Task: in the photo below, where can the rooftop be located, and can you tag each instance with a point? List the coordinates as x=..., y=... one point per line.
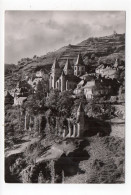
x=55, y=64
x=79, y=61
x=72, y=78
x=67, y=65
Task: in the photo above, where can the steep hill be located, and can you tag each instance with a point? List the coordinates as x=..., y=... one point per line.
x=105, y=48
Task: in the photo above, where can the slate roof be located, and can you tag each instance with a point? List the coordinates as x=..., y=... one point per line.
x=55, y=64
x=79, y=61
x=67, y=65
x=72, y=78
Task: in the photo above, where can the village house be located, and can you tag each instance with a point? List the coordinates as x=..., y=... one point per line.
x=86, y=86
x=89, y=89
x=20, y=94
x=19, y=100
x=39, y=75
x=108, y=71
x=79, y=88
x=97, y=87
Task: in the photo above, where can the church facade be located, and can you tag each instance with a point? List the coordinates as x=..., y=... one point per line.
x=77, y=129
x=68, y=77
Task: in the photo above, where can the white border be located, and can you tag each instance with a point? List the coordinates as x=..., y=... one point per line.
x=83, y=189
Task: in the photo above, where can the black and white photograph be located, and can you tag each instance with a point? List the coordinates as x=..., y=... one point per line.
x=64, y=96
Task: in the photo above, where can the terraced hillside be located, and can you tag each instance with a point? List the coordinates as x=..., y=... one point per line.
x=93, y=50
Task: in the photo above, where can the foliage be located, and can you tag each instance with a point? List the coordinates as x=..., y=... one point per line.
x=100, y=110
x=52, y=100
x=65, y=103
x=35, y=102
x=18, y=166
x=80, y=98
x=14, y=121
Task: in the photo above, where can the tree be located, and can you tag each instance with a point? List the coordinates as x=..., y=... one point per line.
x=52, y=101
x=65, y=103
x=80, y=99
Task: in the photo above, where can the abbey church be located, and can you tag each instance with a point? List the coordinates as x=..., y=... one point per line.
x=68, y=78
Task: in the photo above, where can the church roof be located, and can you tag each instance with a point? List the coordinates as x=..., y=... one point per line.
x=80, y=108
x=62, y=74
x=67, y=65
x=72, y=78
x=55, y=64
x=79, y=60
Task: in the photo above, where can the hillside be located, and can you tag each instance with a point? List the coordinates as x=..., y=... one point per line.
x=105, y=49
x=71, y=131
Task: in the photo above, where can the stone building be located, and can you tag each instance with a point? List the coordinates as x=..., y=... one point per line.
x=76, y=129
x=79, y=67
x=55, y=74
x=89, y=89
x=108, y=71
x=39, y=75
x=68, y=77
x=20, y=95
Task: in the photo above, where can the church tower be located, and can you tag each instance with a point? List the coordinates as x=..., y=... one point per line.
x=55, y=74
x=63, y=81
x=79, y=67
x=67, y=68
x=80, y=120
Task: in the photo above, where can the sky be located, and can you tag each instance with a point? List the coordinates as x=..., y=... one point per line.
x=29, y=33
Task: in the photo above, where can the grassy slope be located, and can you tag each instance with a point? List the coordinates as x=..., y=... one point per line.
x=106, y=162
